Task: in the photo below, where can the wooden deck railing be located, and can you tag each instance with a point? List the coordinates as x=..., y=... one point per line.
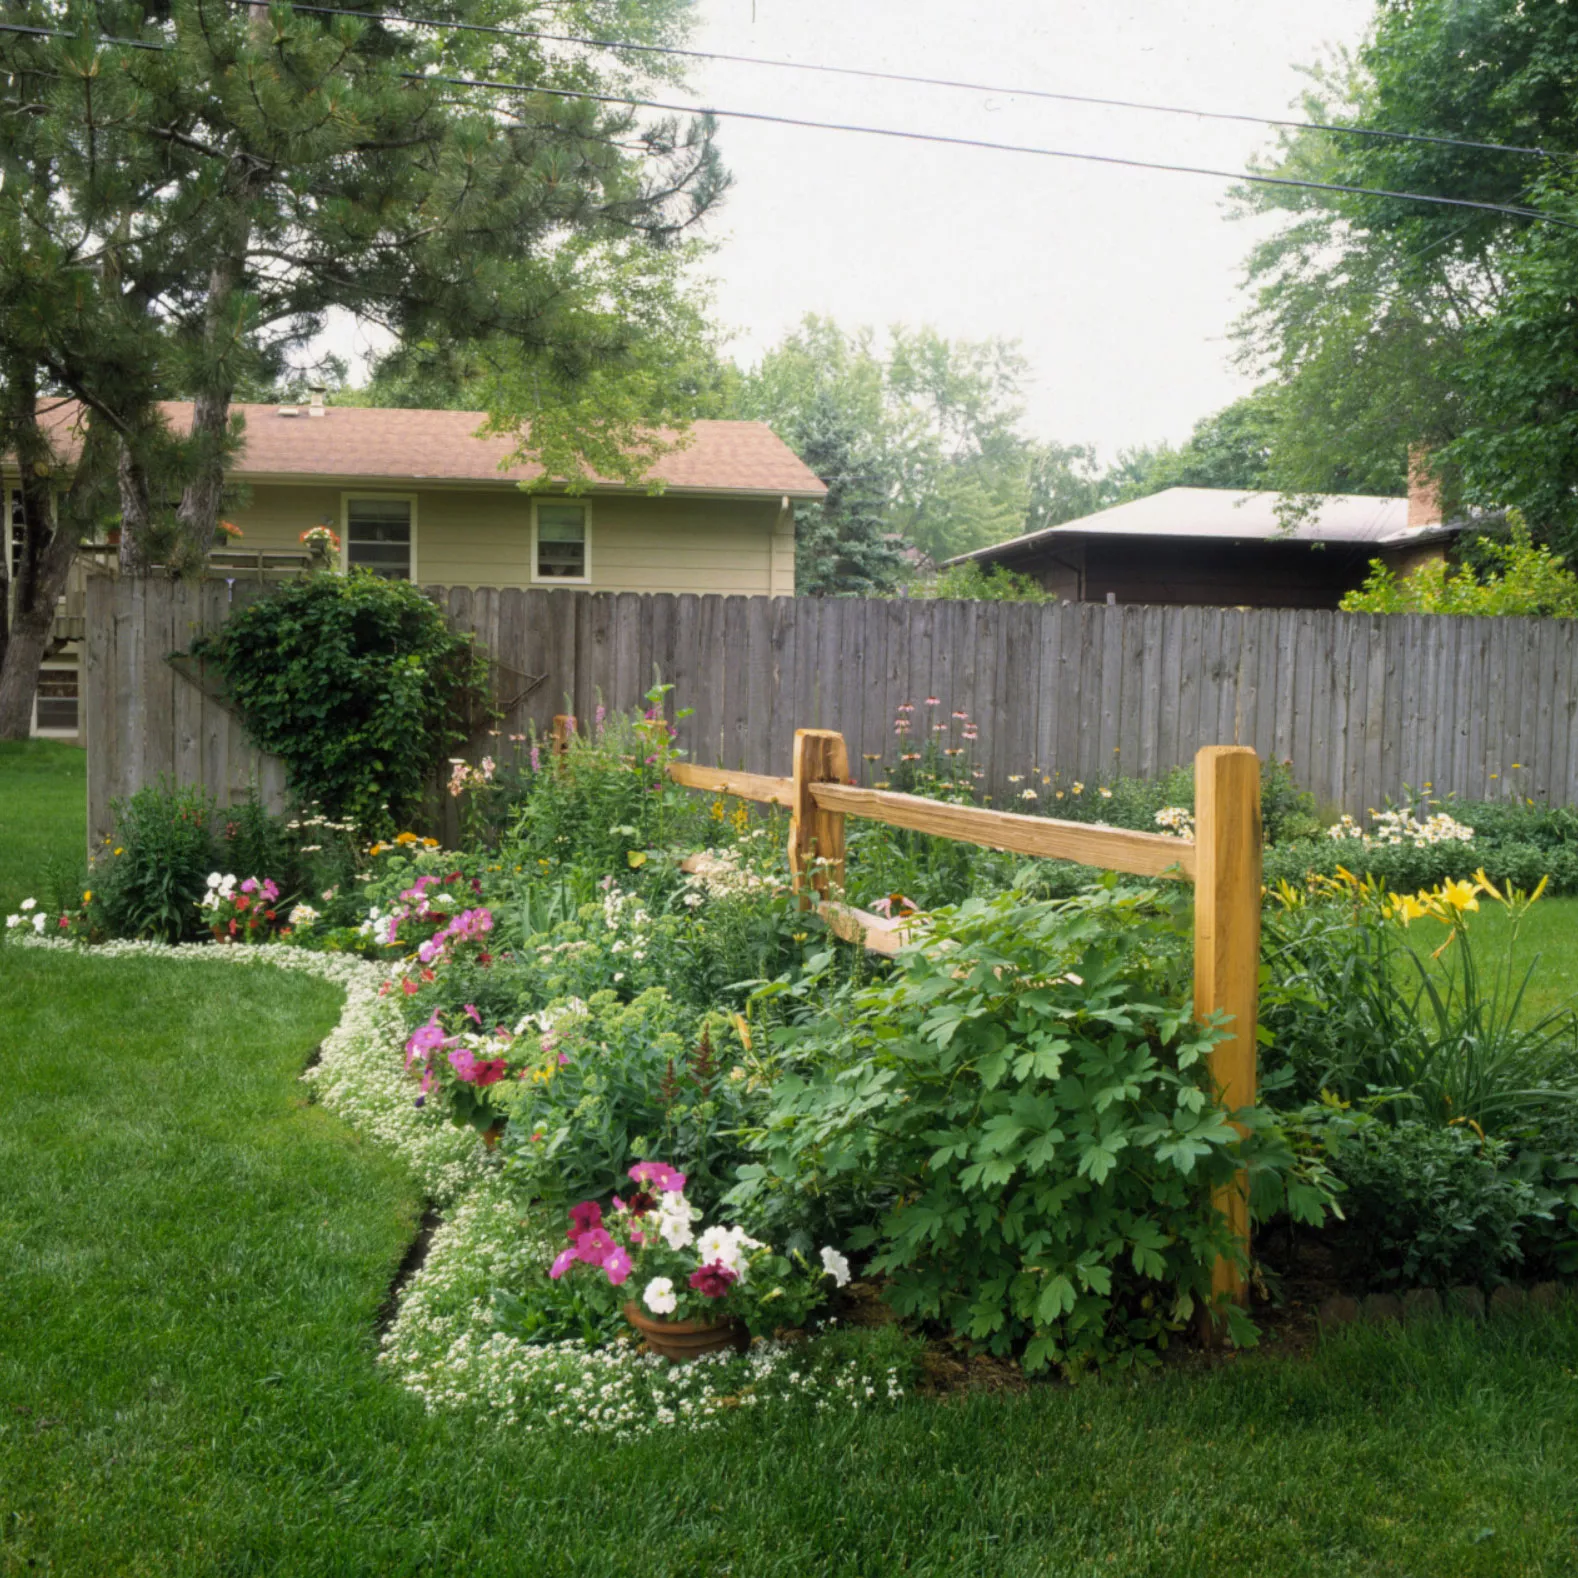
x=1222, y=860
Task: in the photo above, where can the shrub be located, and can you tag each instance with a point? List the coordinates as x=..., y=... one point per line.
x=1431, y=1205
x=357, y=683
x=1021, y=1111
x=159, y=858
x=616, y=1083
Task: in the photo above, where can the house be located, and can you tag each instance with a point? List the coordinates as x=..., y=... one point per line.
x=1226, y=547
x=418, y=495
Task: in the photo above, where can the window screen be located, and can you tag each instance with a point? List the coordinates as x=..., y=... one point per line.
x=378, y=537
x=561, y=542
x=57, y=700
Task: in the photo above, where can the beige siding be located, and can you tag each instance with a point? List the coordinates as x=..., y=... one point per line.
x=482, y=537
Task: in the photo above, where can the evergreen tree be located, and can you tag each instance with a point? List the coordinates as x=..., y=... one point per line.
x=221, y=191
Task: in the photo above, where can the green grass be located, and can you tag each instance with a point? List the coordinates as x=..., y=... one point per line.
x=43, y=814
x=192, y=1262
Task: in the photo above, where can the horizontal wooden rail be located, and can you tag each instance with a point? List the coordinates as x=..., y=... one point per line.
x=1091, y=844
x=745, y=786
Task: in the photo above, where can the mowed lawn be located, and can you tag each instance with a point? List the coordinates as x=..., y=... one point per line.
x=43, y=818
x=194, y=1260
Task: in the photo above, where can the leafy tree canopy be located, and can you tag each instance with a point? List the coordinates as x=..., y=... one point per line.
x=1393, y=323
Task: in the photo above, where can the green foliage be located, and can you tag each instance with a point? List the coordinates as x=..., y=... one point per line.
x=993, y=584
x=1353, y=1005
x=1430, y=1205
x=1522, y=579
x=1020, y=1109
x=354, y=681
x=149, y=880
x=922, y=433
x=619, y=1082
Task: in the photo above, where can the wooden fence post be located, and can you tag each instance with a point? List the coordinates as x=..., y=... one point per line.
x=1227, y=947
x=815, y=835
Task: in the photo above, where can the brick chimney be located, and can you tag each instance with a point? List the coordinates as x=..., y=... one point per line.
x=1424, y=492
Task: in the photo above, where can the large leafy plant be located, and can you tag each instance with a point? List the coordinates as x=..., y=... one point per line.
x=356, y=683
x=1024, y=1110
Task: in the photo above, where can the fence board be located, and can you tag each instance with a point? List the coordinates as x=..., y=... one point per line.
x=1360, y=704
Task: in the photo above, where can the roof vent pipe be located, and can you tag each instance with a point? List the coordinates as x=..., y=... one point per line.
x=316, y=407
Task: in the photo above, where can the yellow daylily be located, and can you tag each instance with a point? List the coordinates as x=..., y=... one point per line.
x=1405, y=907
x=1485, y=885
x=1460, y=894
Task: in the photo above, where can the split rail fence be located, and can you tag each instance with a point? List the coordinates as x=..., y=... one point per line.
x=1359, y=704
x=1222, y=860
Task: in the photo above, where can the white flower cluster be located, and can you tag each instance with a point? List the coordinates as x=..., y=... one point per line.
x=445, y=1348
x=1177, y=820
x=31, y=915
x=302, y=915
x=725, y=876
x=1402, y=827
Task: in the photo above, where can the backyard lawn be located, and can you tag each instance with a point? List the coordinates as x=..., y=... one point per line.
x=195, y=1263
x=43, y=815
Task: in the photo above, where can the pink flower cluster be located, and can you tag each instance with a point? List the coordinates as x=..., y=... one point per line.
x=427, y=1041
x=475, y=924
x=590, y=1241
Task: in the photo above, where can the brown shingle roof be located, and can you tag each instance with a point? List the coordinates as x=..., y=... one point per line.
x=442, y=446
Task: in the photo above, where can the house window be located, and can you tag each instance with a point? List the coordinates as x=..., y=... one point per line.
x=560, y=551
x=55, y=702
x=380, y=535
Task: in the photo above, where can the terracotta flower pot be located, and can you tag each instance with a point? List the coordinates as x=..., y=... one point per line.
x=680, y=1341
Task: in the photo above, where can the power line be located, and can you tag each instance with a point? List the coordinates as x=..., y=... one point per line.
x=1509, y=209
x=938, y=138
x=624, y=46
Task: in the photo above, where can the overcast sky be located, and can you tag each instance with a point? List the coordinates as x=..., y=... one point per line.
x=1120, y=284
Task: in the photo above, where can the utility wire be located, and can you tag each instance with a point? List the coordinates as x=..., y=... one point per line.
x=623, y=46
x=517, y=89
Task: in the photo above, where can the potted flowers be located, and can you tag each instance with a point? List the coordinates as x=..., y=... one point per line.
x=322, y=543
x=695, y=1293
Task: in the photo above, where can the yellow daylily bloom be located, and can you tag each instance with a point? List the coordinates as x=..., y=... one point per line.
x=1460, y=894
x=1485, y=885
x=1406, y=908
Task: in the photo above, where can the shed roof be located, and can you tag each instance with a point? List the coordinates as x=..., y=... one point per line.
x=1230, y=514
x=362, y=442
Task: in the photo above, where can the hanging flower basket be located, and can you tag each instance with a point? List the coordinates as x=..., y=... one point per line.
x=680, y=1341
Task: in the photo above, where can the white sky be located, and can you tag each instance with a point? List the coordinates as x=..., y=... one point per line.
x=1120, y=284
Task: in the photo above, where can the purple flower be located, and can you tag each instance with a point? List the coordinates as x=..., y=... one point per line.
x=464, y=1062
x=713, y=1281
x=536, y=764
x=617, y=1264
x=562, y=1263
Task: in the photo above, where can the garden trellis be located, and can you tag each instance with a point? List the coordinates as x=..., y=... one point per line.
x=1222, y=860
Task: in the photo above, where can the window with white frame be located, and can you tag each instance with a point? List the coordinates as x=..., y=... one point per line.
x=562, y=543
x=55, y=701
x=380, y=535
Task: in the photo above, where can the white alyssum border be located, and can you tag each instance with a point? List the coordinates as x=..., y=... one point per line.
x=443, y=1344
x=359, y=1075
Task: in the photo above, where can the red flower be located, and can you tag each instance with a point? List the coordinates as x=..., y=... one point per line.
x=584, y=1217
x=232, y=928
x=268, y=914
x=427, y=975
x=713, y=1281
x=489, y=1070
x=484, y=958
x=409, y=987
x=242, y=903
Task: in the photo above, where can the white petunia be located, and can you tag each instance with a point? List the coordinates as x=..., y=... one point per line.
x=12, y=921
x=835, y=1266
x=29, y=904
x=38, y=924
x=214, y=879
x=660, y=1296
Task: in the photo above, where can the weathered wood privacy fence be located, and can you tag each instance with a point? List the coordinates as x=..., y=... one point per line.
x=1222, y=860
x=1359, y=704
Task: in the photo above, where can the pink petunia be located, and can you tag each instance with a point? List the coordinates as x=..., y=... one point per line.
x=562, y=1263
x=713, y=1281
x=594, y=1247
x=617, y=1265
x=659, y=1174
x=472, y=1014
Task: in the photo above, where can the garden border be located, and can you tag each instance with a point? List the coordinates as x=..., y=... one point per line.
x=1222, y=860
